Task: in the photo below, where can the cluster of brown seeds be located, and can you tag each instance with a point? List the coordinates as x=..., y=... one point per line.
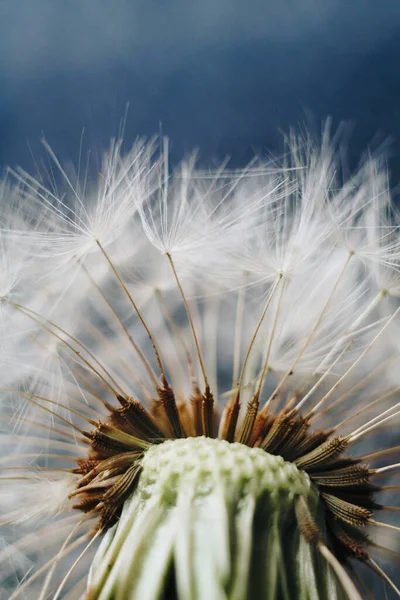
x=110, y=473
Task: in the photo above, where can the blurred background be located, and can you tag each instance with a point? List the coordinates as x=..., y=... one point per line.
x=224, y=76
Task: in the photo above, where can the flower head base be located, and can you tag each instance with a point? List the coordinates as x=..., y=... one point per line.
x=207, y=361
x=120, y=444
x=131, y=461
x=201, y=508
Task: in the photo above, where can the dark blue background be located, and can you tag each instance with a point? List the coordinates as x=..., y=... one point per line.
x=226, y=76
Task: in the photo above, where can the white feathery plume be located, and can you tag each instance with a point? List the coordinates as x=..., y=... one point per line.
x=73, y=218
x=48, y=496
x=191, y=214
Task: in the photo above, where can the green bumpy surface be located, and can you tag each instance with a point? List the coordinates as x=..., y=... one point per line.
x=211, y=520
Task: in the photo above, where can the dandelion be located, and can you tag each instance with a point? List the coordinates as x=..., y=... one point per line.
x=199, y=379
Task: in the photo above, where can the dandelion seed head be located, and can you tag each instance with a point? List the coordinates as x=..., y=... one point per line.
x=145, y=308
